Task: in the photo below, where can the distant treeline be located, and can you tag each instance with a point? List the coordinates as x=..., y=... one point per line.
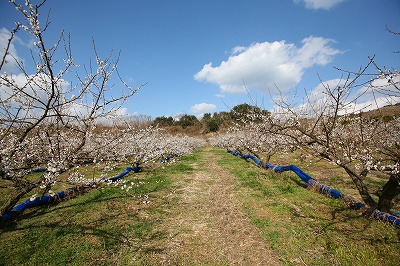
x=245, y=112
x=211, y=122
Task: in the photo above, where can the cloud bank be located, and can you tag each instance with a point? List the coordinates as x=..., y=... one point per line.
x=319, y=4
x=269, y=65
x=203, y=108
x=363, y=99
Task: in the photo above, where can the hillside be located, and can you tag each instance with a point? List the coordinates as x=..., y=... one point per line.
x=389, y=111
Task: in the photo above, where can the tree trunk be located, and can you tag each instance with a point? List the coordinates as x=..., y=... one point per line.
x=389, y=191
x=13, y=199
x=362, y=188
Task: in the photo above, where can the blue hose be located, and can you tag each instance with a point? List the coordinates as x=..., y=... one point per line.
x=323, y=189
x=48, y=199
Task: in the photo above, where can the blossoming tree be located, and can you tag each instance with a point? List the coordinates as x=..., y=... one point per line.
x=44, y=120
x=332, y=123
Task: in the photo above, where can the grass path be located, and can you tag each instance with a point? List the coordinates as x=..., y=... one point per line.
x=208, y=226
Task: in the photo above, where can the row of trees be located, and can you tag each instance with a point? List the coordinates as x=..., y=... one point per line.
x=334, y=128
x=46, y=122
x=209, y=123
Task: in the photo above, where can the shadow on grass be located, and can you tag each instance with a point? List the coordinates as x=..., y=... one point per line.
x=97, y=223
x=88, y=196
x=61, y=205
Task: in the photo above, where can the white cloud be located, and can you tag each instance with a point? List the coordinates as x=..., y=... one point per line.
x=10, y=66
x=26, y=96
x=77, y=109
x=178, y=116
x=203, y=108
x=200, y=116
x=268, y=65
x=378, y=95
x=372, y=104
x=36, y=86
x=363, y=99
x=238, y=50
x=319, y=4
x=315, y=51
x=123, y=111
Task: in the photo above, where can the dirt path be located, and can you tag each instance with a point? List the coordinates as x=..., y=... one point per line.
x=208, y=225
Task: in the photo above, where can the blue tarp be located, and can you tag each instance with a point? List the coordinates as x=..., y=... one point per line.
x=323, y=189
x=166, y=159
x=48, y=199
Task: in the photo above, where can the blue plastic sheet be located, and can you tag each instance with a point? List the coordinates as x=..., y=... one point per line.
x=48, y=199
x=323, y=189
x=166, y=159
x=39, y=170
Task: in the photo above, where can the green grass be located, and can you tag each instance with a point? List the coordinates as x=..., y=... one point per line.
x=109, y=226
x=90, y=171
x=305, y=227
x=106, y=226
x=97, y=228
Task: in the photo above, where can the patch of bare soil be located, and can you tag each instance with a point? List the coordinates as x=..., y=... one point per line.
x=208, y=225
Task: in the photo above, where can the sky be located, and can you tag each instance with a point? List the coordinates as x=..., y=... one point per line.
x=205, y=56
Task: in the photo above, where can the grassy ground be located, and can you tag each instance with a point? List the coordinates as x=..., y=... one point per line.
x=330, y=174
x=307, y=228
x=111, y=227
x=98, y=228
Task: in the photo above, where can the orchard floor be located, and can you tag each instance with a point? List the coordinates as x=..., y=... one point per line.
x=207, y=208
x=209, y=226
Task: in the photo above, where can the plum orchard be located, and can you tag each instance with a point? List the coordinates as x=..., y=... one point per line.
x=332, y=125
x=47, y=122
x=358, y=145
x=105, y=149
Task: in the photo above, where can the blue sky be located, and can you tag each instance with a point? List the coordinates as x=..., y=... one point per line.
x=195, y=56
